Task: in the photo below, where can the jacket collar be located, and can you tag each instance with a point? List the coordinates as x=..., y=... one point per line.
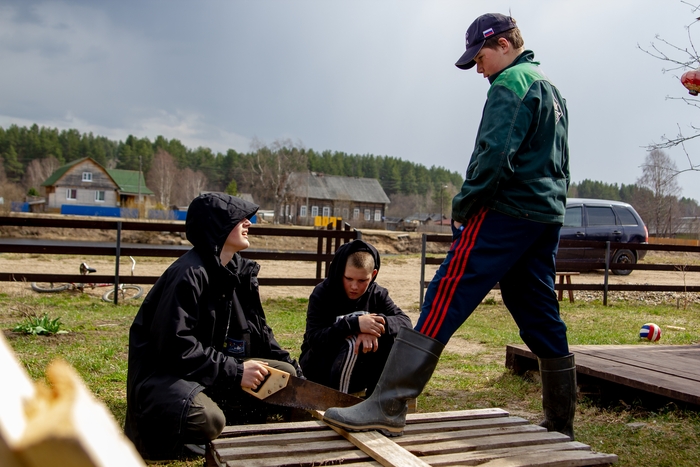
x=528, y=56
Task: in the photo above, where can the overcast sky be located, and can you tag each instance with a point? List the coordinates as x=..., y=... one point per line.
x=362, y=77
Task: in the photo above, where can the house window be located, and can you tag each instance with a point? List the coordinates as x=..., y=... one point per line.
x=314, y=211
x=356, y=213
x=87, y=176
x=336, y=212
x=71, y=193
x=302, y=211
x=345, y=213
x=326, y=211
x=368, y=214
x=100, y=196
x=377, y=215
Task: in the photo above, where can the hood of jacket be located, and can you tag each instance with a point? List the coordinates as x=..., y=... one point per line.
x=211, y=217
x=334, y=281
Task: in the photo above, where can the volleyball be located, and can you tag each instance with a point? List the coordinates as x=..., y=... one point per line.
x=650, y=331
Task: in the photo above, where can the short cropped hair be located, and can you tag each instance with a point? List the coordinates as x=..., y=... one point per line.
x=512, y=35
x=361, y=260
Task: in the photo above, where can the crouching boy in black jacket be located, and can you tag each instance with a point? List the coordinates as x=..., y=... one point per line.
x=351, y=323
x=191, y=342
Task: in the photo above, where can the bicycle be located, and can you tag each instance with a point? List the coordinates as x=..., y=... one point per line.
x=126, y=291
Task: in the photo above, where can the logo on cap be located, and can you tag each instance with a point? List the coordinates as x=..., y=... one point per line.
x=488, y=32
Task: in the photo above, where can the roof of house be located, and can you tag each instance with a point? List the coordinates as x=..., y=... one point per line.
x=61, y=171
x=332, y=187
x=126, y=180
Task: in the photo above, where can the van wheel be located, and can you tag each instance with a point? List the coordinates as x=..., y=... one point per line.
x=623, y=257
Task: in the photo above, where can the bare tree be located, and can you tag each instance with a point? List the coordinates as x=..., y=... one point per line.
x=190, y=185
x=678, y=59
x=8, y=191
x=161, y=177
x=271, y=168
x=659, y=173
x=39, y=170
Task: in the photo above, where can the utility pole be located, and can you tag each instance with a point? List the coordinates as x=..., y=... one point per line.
x=139, y=205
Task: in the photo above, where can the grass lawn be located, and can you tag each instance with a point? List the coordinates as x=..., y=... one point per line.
x=471, y=374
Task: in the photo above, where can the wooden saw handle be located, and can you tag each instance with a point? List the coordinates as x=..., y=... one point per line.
x=275, y=381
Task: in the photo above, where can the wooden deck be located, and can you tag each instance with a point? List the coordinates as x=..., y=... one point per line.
x=670, y=371
x=488, y=437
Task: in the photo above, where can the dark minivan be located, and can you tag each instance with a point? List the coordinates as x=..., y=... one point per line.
x=602, y=220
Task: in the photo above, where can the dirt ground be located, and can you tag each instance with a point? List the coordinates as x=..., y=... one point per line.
x=399, y=273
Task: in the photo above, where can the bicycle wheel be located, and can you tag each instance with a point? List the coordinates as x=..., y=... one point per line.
x=49, y=287
x=126, y=292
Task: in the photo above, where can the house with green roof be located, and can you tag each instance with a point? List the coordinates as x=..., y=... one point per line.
x=84, y=182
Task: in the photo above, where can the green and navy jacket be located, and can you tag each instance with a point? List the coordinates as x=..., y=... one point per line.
x=520, y=163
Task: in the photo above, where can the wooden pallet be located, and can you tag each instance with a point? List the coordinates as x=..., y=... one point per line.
x=670, y=371
x=488, y=437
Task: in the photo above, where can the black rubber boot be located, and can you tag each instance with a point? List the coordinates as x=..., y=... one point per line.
x=410, y=365
x=559, y=394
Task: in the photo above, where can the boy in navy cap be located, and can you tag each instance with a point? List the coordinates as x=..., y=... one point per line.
x=505, y=225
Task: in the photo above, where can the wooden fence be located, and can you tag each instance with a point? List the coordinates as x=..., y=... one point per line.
x=328, y=241
x=606, y=265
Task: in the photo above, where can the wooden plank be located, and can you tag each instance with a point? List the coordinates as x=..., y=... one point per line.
x=277, y=450
x=489, y=442
x=439, y=436
x=455, y=425
x=455, y=415
x=554, y=459
x=382, y=449
x=283, y=460
x=479, y=457
x=281, y=438
x=289, y=427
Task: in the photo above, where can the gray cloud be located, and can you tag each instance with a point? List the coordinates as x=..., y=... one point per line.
x=360, y=77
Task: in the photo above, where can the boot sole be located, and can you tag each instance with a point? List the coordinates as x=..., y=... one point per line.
x=386, y=431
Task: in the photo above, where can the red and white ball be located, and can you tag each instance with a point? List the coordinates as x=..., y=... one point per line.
x=650, y=331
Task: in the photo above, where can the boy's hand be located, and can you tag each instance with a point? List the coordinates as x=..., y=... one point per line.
x=367, y=342
x=372, y=324
x=254, y=373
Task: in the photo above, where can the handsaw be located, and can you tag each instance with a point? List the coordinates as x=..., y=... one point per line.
x=281, y=388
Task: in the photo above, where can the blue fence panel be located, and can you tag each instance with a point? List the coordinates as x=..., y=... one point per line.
x=18, y=206
x=101, y=211
x=167, y=215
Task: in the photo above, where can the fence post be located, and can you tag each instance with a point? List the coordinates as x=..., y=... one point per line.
x=422, y=268
x=116, y=262
x=607, y=266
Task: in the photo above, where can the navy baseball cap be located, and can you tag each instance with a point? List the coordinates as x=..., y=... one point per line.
x=481, y=29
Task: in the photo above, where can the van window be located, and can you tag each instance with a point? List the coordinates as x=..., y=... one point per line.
x=573, y=217
x=626, y=216
x=600, y=215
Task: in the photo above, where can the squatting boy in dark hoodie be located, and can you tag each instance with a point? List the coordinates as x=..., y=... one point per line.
x=351, y=323
x=196, y=332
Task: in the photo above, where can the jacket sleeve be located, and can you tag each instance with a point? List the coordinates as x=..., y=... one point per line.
x=504, y=126
x=322, y=329
x=173, y=334
x=395, y=318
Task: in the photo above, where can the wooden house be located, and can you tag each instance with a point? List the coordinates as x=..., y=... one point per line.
x=361, y=202
x=84, y=182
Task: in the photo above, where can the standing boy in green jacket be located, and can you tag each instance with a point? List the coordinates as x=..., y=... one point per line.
x=505, y=226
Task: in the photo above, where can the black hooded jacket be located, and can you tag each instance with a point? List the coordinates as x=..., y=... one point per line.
x=180, y=342
x=325, y=334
